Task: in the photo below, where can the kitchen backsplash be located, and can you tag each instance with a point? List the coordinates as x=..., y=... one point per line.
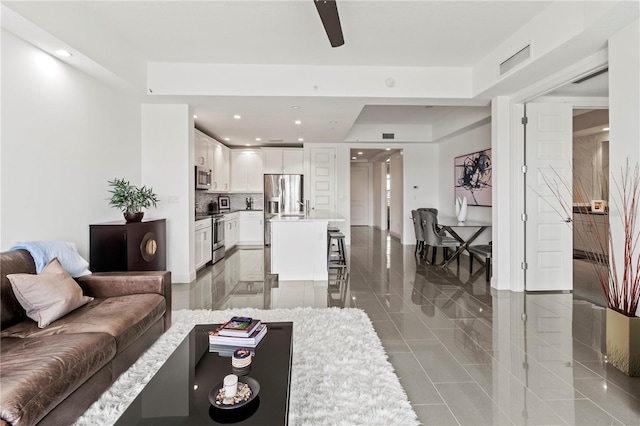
x=237, y=201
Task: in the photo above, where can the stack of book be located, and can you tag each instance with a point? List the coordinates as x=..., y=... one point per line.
x=238, y=332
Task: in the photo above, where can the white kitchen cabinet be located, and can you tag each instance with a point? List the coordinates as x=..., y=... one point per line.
x=231, y=230
x=203, y=152
x=283, y=160
x=220, y=175
x=246, y=171
x=251, y=228
x=202, y=234
x=212, y=155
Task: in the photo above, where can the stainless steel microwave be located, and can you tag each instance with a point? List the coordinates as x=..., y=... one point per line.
x=203, y=178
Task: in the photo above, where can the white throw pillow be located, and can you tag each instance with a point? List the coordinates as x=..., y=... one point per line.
x=49, y=295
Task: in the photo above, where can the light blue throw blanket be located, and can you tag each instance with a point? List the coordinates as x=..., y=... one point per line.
x=66, y=252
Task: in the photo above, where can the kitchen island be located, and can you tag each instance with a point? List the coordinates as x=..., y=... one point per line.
x=299, y=245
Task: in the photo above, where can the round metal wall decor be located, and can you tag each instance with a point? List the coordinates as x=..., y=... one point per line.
x=148, y=246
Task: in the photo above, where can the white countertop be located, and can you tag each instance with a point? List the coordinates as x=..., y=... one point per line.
x=311, y=217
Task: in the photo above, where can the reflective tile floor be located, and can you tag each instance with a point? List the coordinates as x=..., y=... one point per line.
x=465, y=354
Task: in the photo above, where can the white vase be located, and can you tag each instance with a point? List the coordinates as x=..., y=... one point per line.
x=461, y=208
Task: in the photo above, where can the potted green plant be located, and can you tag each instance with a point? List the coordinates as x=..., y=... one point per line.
x=131, y=199
x=619, y=280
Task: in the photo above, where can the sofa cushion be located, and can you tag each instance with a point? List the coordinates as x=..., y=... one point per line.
x=13, y=262
x=48, y=295
x=38, y=373
x=124, y=317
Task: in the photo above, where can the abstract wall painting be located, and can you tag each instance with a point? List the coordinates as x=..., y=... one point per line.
x=472, y=176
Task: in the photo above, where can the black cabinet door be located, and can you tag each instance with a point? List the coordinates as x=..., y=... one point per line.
x=119, y=246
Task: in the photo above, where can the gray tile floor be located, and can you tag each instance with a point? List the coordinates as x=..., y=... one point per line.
x=465, y=354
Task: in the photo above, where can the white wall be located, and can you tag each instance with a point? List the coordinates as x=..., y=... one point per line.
x=475, y=139
x=167, y=162
x=421, y=183
x=379, y=188
x=64, y=134
x=624, y=110
x=397, y=186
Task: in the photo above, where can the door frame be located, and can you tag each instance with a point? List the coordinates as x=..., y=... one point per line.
x=507, y=112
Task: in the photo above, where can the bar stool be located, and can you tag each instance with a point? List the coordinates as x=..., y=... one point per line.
x=336, y=258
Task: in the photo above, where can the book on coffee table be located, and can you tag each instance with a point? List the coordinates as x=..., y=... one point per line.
x=239, y=327
x=248, y=342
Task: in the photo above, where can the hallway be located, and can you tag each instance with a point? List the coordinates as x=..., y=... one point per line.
x=465, y=354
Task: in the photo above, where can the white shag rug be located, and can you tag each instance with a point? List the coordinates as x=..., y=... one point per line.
x=334, y=352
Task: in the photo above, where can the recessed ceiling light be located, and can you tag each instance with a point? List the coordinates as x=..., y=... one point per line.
x=237, y=117
x=295, y=107
x=353, y=158
x=388, y=159
x=248, y=144
x=226, y=139
x=300, y=139
x=388, y=149
x=360, y=153
x=195, y=116
x=63, y=53
x=298, y=122
x=605, y=129
x=258, y=139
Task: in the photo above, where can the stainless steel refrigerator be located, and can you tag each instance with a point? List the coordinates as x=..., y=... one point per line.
x=282, y=194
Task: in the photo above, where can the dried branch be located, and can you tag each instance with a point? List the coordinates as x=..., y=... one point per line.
x=622, y=292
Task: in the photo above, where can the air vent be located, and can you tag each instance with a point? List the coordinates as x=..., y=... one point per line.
x=515, y=59
x=590, y=76
x=388, y=136
x=276, y=140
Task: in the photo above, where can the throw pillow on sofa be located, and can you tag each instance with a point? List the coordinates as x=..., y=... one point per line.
x=43, y=252
x=49, y=295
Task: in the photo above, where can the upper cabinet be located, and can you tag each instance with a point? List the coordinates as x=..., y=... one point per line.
x=246, y=170
x=220, y=175
x=214, y=156
x=283, y=160
x=203, y=151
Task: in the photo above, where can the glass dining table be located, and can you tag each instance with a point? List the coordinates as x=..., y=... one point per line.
x=450, y=223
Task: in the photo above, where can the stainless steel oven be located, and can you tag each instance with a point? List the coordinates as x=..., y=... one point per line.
x=203, y=178
x=218, y=238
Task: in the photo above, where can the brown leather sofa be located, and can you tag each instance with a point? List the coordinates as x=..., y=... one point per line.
x=52, y=375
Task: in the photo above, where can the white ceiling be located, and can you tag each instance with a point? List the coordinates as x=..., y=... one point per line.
x=377, y=33
x=368, y=155
x=392, y=33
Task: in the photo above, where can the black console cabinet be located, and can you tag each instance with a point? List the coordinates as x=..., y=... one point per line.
x=120, y=246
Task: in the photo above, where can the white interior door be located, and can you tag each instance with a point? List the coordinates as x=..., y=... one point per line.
x=322, y=184
x=548, y=239
x=360, y=202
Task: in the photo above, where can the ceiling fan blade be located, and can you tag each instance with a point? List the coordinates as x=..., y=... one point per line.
x=328, y=11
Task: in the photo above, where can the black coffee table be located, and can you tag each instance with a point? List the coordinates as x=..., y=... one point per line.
x=178, y=394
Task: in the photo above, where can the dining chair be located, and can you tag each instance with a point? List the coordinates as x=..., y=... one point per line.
x=441, y=231
x=483, y=250
x=434, y=238
x=419, y=231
